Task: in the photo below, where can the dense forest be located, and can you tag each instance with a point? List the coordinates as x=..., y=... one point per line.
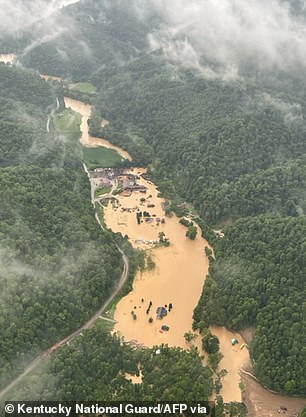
x=233, y=154
x=57, y=266
x=258, y=280
x=94, y=367
x=113, y=33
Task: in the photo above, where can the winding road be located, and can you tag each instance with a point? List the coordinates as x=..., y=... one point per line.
x=89, y=323
x=51, y=114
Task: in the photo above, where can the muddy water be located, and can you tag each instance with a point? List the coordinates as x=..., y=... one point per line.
x=178, y=279
x=7, y=58
x=134, y=378
x=87, y=140
x=262, y=403
x=233, y=360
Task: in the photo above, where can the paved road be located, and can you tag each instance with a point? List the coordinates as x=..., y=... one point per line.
x=85, y=326
x=77, y=332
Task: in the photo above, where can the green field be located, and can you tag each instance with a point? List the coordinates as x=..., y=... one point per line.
x=101, y=157
x=85, y=88
x=102, y=190
x=68, y=123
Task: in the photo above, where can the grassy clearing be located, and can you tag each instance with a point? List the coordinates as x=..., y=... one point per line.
x=102, y=190
x=101, y=157
x=68, y=123
x=104, y=325
x=85, y=88
x=111, y=309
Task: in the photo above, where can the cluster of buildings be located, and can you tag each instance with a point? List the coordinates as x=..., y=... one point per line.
x=128, y=182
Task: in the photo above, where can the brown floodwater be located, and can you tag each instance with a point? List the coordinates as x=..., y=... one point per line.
x=234, y=358
x=87, y=140
x=178, y=278
x=134, y=378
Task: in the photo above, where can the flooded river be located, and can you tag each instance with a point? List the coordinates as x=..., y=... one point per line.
x=87, y=140
x=178, y=278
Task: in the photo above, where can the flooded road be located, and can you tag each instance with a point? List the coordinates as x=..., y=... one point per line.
x=87, y=140
x=263, y=403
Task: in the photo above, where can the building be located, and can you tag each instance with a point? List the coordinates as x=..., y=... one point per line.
x=161, y=312
x=131, y=184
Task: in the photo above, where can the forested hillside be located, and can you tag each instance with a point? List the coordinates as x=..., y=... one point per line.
x=222, y=146
x=170, y=375
x=89, y=35
x=57, y=267
x=258, y=280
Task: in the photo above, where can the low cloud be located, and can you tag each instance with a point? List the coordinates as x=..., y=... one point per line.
x=20, y=15
x=218, y=38
x=224, y=36
x=291, y=112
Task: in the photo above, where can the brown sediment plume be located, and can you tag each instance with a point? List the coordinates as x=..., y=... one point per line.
x=87, y=140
